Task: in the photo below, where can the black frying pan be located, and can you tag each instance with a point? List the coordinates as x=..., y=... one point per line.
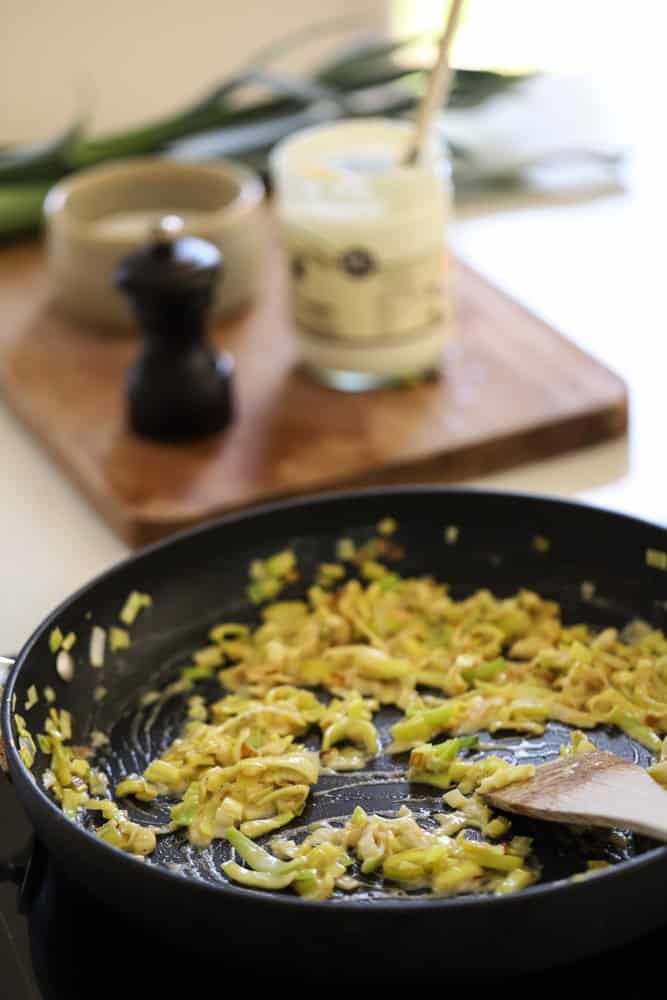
x=197, y=579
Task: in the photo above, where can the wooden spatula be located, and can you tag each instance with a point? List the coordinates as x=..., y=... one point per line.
x=592, y=789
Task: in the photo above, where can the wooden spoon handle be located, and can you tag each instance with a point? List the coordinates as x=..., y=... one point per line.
x=438, y=85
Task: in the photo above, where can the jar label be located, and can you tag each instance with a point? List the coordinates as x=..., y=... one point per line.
x=357, y=297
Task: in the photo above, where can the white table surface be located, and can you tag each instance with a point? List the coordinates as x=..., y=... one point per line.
x=583, y=263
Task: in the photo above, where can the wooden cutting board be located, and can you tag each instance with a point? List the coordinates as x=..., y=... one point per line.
x=513, y=390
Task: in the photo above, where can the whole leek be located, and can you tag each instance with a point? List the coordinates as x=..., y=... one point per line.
x=368, y=77
x=21, y=207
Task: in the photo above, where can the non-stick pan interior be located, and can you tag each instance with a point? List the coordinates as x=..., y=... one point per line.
x=200, y=579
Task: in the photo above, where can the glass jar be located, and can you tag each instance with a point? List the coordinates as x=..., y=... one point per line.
x=366, y=241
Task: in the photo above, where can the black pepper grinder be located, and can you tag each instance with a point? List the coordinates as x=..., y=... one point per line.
x=179, y=388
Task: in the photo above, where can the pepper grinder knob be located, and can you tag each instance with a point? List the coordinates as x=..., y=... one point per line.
x=179, y=388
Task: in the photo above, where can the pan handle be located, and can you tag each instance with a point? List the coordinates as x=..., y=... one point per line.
x=6, y=664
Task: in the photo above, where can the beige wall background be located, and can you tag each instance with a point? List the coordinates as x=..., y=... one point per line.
x=132, y=59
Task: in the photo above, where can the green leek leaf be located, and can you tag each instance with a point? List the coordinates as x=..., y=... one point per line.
x=38, y=161
x=21, y=208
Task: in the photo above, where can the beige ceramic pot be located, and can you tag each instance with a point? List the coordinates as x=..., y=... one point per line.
x=96, y=217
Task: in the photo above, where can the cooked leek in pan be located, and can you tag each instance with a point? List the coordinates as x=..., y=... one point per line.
x=297, y=700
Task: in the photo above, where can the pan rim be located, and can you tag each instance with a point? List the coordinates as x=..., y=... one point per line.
x=24, y=779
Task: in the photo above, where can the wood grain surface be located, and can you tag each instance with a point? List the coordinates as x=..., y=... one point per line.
x=595, y=788
x=513, y=390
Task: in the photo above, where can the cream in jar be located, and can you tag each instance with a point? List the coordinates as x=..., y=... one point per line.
x=366, y=241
